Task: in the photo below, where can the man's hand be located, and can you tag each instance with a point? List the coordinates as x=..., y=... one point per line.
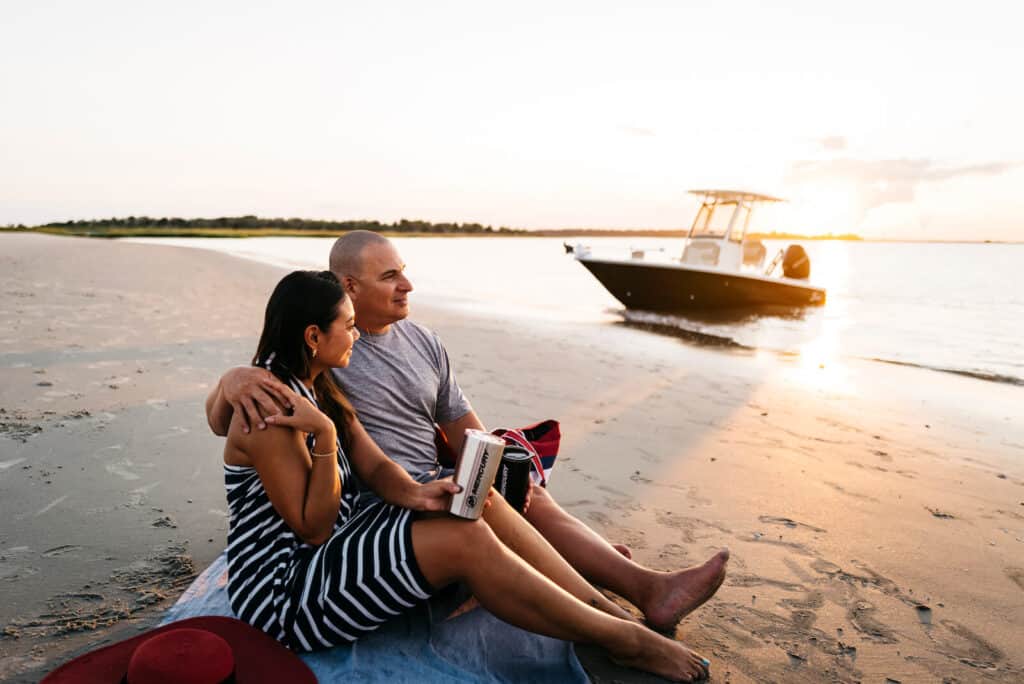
x=255, y=393
x=529, y=494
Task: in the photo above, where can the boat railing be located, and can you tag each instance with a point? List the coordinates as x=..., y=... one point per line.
x=621, y=252
x=775, y=263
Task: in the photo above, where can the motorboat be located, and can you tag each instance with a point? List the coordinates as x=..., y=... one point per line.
x=719, y=268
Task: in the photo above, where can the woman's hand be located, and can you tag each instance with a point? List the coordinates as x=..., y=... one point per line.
x=304, y=417
x=254, y=393
x=433, y=496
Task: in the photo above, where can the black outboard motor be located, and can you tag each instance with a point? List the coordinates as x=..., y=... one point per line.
x=796, y=263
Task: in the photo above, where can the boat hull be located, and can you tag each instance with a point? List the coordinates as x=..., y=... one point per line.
x=673, y=288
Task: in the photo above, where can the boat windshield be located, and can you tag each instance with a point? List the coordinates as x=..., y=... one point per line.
x=713, y=219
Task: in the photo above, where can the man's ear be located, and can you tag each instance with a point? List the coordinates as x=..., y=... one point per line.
x=350, y=285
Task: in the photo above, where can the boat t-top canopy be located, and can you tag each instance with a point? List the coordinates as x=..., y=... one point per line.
x=725, y=214
x=735, y=196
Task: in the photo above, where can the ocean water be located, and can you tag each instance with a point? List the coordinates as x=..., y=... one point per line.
x=947, y=307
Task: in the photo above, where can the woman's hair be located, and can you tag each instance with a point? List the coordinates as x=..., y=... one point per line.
x=302, y=299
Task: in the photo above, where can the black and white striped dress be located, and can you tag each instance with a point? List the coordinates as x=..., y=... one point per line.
x=315, y=597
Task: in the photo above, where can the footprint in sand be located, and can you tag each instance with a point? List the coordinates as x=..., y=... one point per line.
x=940, y=514
x=803, y=619
x=684, y=527
x=1016, y=576
x=798, y=570
x=760, y=538
x=623, y=506
x=757, y=581
x=794, y=639
x=674, y=556
x=617, y=533
x=812, y=600
x=648, y=456
x=969, y=648
x=862, y=616
x=599, y=518
x=788, y=522
x=839, y=488
x=613, y=491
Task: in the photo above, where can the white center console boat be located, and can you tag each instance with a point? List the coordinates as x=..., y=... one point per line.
x=718, y=268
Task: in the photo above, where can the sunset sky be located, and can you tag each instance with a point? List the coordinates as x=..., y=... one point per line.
x=889, y=119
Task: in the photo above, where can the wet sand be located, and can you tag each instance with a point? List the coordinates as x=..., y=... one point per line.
x=875, y=513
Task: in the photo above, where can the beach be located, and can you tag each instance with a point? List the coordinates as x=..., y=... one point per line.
x=875, y=513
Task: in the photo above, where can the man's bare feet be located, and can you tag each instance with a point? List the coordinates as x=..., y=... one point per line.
x=665, y=658
x=677, y=594
x=624, y=550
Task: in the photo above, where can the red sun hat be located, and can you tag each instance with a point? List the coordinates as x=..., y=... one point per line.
x=202, y=650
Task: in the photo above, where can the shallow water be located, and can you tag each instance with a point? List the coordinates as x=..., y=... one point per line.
x=950, y=307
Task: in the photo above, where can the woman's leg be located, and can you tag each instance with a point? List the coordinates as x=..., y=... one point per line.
x=450, y=550
x=527, y=543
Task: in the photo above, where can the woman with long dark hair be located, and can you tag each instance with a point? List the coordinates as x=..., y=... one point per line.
x=312, y=567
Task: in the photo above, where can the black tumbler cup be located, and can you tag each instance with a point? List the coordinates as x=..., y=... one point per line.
x=514, y=476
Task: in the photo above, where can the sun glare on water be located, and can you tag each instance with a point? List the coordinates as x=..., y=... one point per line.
x=819, y=361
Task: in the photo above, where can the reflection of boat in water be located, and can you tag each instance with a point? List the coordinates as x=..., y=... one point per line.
x=719, y=268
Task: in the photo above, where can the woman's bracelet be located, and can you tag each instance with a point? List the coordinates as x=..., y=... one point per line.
x=329, y=454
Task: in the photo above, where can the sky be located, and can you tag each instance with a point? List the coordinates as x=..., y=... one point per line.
x=895, y=119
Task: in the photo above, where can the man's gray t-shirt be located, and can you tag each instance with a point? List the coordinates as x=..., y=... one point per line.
x=400, y=384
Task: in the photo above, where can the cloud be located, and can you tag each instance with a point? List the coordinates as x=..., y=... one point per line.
x=833, y=143
x=989, y=169
x=638, y=131
x=885, y=181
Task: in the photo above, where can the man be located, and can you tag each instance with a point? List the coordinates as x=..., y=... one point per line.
x=401, y=383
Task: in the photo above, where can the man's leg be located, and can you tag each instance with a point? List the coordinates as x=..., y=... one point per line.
x=663, y=597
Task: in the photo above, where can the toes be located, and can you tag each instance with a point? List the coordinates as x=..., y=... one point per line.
x=701, y=666
x=694, y=674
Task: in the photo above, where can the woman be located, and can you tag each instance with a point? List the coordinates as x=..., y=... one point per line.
x=313, y=568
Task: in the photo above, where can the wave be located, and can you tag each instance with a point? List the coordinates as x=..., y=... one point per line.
x=976, y=374
x=674, y=326
x=659, y=324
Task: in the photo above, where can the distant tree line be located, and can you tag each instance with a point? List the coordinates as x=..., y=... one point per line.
x=775, y=235
x=255, y=222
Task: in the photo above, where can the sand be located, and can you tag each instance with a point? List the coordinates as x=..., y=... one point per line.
x=875, y=513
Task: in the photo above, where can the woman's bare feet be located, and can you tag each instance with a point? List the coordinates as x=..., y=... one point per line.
x=624, y=550
x=665, y=658
x=677, y=594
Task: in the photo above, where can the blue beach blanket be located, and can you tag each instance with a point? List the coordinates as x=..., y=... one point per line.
x=419, y=646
